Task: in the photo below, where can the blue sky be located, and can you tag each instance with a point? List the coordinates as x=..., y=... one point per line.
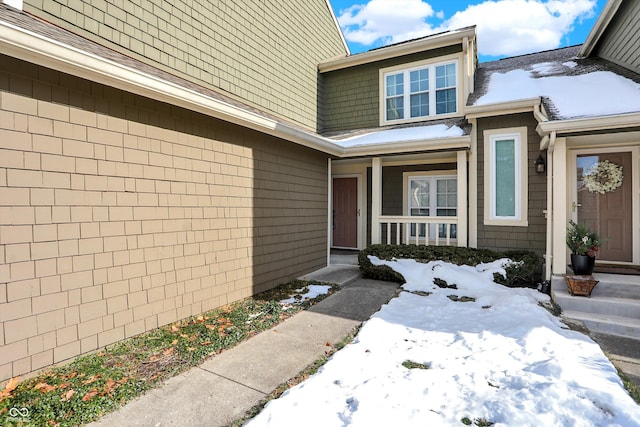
x=505, y=27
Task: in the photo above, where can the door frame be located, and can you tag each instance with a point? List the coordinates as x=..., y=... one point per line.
x=360, y=210
x=635, y=191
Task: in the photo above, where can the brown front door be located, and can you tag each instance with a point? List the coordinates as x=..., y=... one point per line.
x=345, y=212
x=605, y=204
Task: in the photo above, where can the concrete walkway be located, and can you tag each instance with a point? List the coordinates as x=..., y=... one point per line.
x=224, y=387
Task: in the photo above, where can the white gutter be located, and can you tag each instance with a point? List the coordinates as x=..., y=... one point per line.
x=590, y=124
x=16, y=4
x=441, y=144
x=32, y=47
x=501, y=108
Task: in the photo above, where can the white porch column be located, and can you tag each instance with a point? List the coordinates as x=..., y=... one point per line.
x=472, y=216
x=376, y=198
x=462, y=198
x=560, y=200
x=329, y=210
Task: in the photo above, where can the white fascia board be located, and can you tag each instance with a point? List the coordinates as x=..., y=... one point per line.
x=426, y=145
x=613, y=122
x=433, y=42
x=337, y=24
x=34, y=48
x=501, y=108
x=598, y=29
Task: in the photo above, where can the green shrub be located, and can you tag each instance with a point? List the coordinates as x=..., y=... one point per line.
x=524, y=272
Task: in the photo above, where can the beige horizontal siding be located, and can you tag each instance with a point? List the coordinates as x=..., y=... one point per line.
x=119, y=214
x=262, y=52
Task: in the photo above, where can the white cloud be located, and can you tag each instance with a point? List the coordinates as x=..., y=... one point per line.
x=505, y=27
x=512, y=27
x=386, y=21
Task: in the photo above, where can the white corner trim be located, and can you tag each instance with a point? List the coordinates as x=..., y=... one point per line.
x=337, y=24
x=598, y=29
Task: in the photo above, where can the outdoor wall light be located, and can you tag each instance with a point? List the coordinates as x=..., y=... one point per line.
x=539, y=164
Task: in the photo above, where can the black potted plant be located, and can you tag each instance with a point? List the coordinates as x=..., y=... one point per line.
x=584, y=245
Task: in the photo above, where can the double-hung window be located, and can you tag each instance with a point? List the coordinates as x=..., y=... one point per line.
x=505, y=177
x=432, y=196
x=419, y=92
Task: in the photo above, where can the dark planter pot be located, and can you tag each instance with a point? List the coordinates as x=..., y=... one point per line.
x=582, y=264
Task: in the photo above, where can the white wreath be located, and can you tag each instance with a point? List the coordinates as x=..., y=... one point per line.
x=603, y=177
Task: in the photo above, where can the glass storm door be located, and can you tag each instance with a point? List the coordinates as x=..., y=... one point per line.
x=604, y=201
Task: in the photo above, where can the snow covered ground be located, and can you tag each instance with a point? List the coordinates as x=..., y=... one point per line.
x=496, y=356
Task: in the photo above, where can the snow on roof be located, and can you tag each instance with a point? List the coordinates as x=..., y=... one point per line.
x=571, y=87
x=399, y=135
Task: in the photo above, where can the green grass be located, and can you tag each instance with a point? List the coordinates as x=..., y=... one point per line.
x=98, y=383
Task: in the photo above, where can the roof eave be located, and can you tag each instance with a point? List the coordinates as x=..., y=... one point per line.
x=598, y=29
x=502, y=108
x=589, y=124
x=34, y=48
x=434, y=42
x=414, y=146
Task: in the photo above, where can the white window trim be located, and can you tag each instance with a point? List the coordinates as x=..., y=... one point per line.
x=519, y=135
x=407, y=68
x=406, y=176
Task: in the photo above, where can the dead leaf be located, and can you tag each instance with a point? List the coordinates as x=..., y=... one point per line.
x=44, y=387
x=204, y=343
x=68, y=395
x=191, y=348
x=109, y=387
x=63, y=386
x=328, y=344
x=8, y=388
x=92, y=379
x=210, y=327
x=174, y=342
x=90, y=394
x=200, y=319
x=168, y=351
x=174, y=328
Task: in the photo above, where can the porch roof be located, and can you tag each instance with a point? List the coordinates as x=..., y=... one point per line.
x=450, y=134
x=570, y=87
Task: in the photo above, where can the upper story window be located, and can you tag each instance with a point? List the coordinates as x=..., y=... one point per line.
x=419, y=92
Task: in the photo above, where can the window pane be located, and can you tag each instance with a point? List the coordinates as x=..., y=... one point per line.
x=505, y=183
x=445, y=101
x=395, y=108
x=419, y=197
x=445, y=76
x=419, y=80
x=420, y=105
x=395, y=84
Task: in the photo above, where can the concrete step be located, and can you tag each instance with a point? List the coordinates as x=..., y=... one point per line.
x=613, y=308
x=616, y=285
x=598, y=303
x=607, y=324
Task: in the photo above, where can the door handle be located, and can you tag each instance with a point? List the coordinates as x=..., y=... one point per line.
x=575, y=205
